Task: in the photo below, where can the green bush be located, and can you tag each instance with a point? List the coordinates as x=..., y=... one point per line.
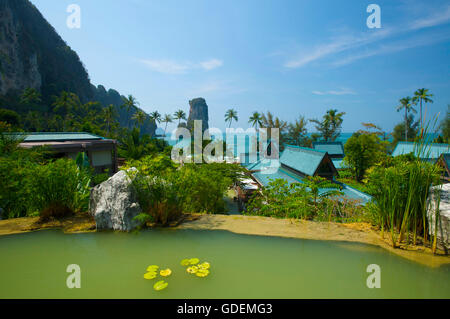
x=60, y=187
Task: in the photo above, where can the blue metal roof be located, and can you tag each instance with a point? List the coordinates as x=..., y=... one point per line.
x=432, y=151
x=290, y=178
x=302, y=159
x=339, y=163
x=332, y=148
x=59, y=136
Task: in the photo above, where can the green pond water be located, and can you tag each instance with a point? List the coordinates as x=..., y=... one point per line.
x=112, y=265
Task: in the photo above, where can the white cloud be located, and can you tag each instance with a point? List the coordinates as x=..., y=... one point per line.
x=351, y=43
x=341, y=91
x=211, y=64
x=173, y=67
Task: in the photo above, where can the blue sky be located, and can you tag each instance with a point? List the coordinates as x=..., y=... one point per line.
x=289, y=57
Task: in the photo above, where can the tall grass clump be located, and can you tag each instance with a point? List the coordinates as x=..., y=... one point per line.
x=60, y=188
x=401, y=189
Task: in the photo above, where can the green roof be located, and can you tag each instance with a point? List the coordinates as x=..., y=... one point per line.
x=302, y=159
x=332, y=148
x=58, y=136
x=339, y=163
x=432, y=151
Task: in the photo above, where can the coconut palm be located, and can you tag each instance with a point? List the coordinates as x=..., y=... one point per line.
x=406, y=104
x=330, y=126
x=139, y=117
x=297, y=131
x=109, y=115
x=255, y=120
x=422, y=95
x=155, y=117
x=129, y=104
x=179, y=115
x=166, y=119
x=231, y=115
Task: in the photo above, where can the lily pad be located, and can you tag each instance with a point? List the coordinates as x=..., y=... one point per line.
x=194, y=261
x=160, y=285
x=166, y=272
x=192, y=270
x=202, y=273
x=185, y=262
x=150, y=275
x=204, y=265
x=152, y=268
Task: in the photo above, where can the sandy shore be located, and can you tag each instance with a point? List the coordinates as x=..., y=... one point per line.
x=250, y=225
x=354, y=232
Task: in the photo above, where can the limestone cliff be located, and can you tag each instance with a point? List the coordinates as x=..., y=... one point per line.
x=198, y=111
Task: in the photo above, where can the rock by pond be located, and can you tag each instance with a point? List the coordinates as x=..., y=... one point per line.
x=443, y=225
x=114, y=205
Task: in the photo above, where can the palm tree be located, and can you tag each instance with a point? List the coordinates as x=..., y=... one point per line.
x=297, y=131
x=406, y=104
x=166, y=119
x=65, y=102
x=139, y=117
x=316, y=183
x=422, y=95
x=268, y=122
x=30, y=96
x=179, y=115
x=330, y=126
x=129, y=103
x=231, y=115
x=155, y=117
x=255, y=120
x=109, y=115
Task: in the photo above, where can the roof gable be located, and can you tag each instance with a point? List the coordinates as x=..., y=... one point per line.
x=332, y=148
x=304, y=160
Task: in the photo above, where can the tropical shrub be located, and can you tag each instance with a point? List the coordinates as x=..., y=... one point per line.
x=60, y=188
x=362, y=151
x=314, y=199
x=400, y=193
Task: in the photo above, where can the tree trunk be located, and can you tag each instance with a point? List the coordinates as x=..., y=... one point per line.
x=406, y=124
x=421, y=121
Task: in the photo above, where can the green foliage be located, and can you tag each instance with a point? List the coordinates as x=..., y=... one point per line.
x=400, y=191
x=315, y=199
x=445, y=126
x=60, y=184
x=330, y=126
x=35, y=187
x=134, y=145
x=399, y=130
x=9, y=116
x=362, y=151
x=164, y=191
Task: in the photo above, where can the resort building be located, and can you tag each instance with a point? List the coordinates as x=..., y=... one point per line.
x=444, y=162
x=295, y=164
x=429, y=152
x=334, y=149
x=102, y=153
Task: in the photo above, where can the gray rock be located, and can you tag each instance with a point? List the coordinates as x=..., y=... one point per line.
x=443, y=224
x=198, y=111
x=113, y=204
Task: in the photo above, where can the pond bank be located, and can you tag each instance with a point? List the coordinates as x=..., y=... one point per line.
x=352, y=232
x=76, y=224
x=249, y=225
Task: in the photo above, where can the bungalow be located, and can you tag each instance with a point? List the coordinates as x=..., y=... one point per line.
x=429, y=153
x=444, y=162
x=102, y=153
x=334, y=149
x=295, y=163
